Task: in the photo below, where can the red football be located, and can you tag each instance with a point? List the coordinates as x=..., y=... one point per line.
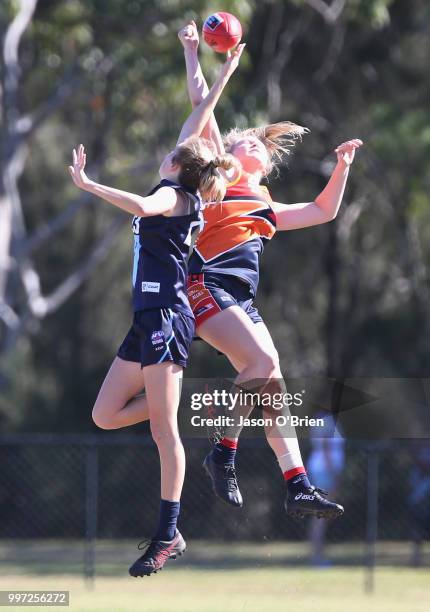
x=222, y=31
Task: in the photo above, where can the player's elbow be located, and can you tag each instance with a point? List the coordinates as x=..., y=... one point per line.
x=196, y=100
x=326, y=215
x=144, y=209
x=331, y=216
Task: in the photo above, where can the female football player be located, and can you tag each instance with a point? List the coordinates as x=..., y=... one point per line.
x=224, y=275
x=155, y=349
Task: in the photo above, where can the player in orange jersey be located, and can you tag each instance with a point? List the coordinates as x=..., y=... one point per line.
x=224, y=270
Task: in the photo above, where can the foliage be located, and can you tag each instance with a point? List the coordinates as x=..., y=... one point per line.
x=351, y=296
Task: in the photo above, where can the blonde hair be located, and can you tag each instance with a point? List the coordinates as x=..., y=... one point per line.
x=278, y=138
x=199, y=168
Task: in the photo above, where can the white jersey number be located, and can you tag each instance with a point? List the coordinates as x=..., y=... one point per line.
x=193, y=226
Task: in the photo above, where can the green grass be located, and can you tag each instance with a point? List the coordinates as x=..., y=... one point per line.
x=252, y=590
x=213, y=576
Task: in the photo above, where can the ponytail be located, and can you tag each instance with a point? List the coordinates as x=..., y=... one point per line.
x=213, y=183
x=201, y=169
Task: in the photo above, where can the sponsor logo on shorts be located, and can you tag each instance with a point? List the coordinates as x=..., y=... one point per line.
x=226, y=298
x=157, y=337
x=214, y=21
x=149, y=287
x=203, y=309
x=197, y=294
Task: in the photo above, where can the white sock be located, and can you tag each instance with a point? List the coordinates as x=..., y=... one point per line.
x=288, y=454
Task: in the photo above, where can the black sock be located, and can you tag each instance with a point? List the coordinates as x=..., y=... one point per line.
x=169, y=512
x=298, y=483
x=224, y=452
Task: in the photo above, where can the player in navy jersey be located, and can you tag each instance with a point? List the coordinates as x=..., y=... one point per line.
x=156, y=348
x=224, y=275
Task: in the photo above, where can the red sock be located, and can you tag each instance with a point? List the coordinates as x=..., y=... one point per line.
x=228, y=443
x=225, y=451
x=294, y=472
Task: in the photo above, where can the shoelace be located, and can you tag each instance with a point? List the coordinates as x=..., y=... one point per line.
x=215, y=437
x=157, y=547
x=146, y=543
x=320, y=491
x=230, y=476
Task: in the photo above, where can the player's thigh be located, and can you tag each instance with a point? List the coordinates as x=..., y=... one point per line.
x=237, y=365
x=124, y=381
x=265, y=339
x=266, y=342
x=163, y=384
x=233, y=333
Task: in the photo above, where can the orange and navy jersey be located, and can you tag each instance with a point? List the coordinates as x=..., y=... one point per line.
x=234, y=233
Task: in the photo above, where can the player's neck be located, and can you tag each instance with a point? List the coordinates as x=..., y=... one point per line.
x=170, y=176
x=253, y=179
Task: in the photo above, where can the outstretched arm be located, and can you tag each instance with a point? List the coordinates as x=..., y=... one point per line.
x=195, y=123
x=161, y=202
x=327, y=203
x=196, y=82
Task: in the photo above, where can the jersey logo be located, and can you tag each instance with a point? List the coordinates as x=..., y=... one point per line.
x=149, y=287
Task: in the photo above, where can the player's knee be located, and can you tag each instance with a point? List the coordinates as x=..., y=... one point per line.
x=267, y=364
x=164, y=434
x=102, y=420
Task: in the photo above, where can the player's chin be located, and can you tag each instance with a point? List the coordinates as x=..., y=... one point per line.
x=252, y=163
x=255, y=165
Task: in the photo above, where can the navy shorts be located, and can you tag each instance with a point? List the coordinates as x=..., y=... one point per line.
x=210, y=293
x=158, y=335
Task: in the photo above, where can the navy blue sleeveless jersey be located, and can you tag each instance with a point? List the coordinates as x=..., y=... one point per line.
x=161, y=247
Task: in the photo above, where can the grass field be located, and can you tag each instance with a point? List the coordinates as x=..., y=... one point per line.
x=252, y=590
x=258, y=579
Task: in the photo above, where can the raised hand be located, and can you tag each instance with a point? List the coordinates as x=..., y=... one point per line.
x=346, y=151
x=77, y=171
x=232, y=60
x=189, y=36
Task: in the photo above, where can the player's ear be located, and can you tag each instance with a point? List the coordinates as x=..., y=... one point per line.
x=173, y=163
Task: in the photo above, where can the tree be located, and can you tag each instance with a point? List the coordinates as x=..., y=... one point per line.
x=351, y=295
x=21, y=297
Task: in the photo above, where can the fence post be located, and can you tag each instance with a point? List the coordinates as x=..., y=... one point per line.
x=372, y=517
x=91, y=499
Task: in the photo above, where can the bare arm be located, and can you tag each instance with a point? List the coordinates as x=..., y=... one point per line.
x=201, y=113
x=196, y=82
x=326, y=205
x=161, y=202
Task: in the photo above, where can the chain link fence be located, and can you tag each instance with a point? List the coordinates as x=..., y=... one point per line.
x=68, y=502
